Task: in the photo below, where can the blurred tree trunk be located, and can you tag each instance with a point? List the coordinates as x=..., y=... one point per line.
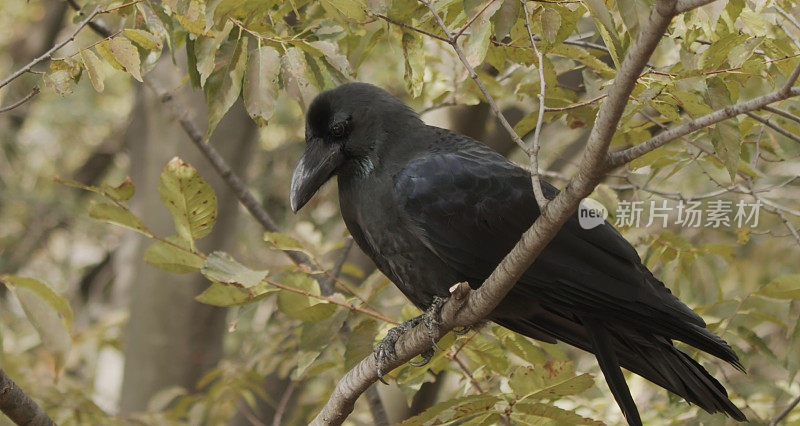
x=172, y=340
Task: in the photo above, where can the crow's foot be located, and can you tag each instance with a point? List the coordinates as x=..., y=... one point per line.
x=385, y=350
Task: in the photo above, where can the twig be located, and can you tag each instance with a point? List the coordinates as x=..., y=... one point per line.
x=774, y=126
x=687, y=5
x=785, y=412
x=534, y=155
x=248, y=414
x=578, y=105
x=52, y=50
x=284, y=402
x=412, y=28
x=379, y=417
x=330, y=300
x=782, y=113
x=619, y=158
x=436, y=106
x=29, y=96
x=777, y=211
x=18, y=406
x=471, y=21
x=474, y=76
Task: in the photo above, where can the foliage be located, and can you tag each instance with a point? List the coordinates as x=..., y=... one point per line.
x=278, y=55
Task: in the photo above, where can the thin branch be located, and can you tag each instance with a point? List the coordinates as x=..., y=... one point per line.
x=578, y=105
x=379, y=417
x=534, y=155
x=465, y=307
x=782, y=113
x=412, y=28
x=284, y=402
x=18, y=406
x=619, y=158
x=774, y=126
x=785, y=412
x=474, y=76
x=49, y=53
x=471, y=21
x=777, y=211
x=29, y=96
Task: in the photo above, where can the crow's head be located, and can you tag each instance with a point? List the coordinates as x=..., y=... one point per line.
x=346, y=130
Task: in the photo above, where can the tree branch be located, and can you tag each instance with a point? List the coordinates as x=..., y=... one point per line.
x=534, y=156
x=774, y=126
x=466, y=307
x=29, y=96
x=49, y=53
x=782, y=113
x=20, y=408
x=619, y=158
x=785, y=412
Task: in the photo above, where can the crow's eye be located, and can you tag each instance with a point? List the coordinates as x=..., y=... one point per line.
x=337, y=130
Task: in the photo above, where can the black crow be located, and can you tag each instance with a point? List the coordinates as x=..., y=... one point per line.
x=432, y=208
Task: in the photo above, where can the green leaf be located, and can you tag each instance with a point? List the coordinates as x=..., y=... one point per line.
x=359, y=342
x=223, y=91
x=122, y=192
x=171, y=258
x=189, y=198
x=113, y=213
x=570, y=386
x=727, y=143
x=191, y=61
x=221, y=267
x=94, y=68
x=206, y=51
x=551, y=21
x=143, y=38
x=352, y=9
x=261, y=83
x=223, y=295
x=58, y=81
x=414, y=62
x=49, y=313
x=634, y=14
x=301, y=306
x=519, y=345
x=284, y=242
x=783, y=287
x=505, y=18
x=293, y=69
x=584, y=57
x=104, y=50
x=524, y=410
x=605, y=25
x=335, y=59
x=477, y=43
x=126, y=55
x=447, y=411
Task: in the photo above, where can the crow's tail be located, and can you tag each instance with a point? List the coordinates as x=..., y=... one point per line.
x=651, y=356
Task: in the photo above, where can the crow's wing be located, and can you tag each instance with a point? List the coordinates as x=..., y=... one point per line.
x=470, y=206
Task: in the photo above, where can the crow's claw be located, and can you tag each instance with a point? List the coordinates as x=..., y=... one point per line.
x=385, y=350
x=426, y=358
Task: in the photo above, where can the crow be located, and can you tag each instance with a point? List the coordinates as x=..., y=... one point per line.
x=432, y=207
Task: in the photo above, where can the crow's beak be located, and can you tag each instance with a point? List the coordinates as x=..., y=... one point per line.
x=315, y=167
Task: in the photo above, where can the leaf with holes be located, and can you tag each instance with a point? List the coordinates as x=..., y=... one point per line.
x=189, y=198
